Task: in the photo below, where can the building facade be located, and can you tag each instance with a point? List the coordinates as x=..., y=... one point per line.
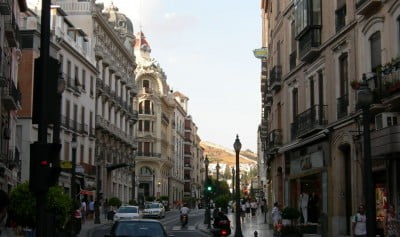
x=311, y=129
x=10, y=97
x=115, y=92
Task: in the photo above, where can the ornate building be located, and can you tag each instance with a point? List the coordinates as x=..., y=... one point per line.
x=311, y=129
x=115, y=86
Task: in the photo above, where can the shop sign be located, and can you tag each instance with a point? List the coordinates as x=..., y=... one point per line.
x=306, y=162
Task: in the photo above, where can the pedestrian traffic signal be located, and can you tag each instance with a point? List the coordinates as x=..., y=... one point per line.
x=44, y=170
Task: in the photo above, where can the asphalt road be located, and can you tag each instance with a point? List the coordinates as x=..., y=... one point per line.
x=172, y=225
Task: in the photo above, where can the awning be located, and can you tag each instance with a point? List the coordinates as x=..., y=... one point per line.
x=86, y=192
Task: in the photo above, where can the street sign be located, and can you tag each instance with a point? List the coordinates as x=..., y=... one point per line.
x=260, y=53
x=66, y=164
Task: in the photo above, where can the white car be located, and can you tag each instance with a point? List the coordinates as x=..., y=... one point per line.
x=154, y=210
x=127, y=212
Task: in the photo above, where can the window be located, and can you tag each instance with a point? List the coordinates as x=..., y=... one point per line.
x=312, y=100
x=83, y=79
x=75, y=116
x=295, y=103
x=91, y=85
x=67, y=109
x=91, y=122
x=307, y=14
x=90, y=156
x=69, y=71
x=321, y=88
x=343, y=74
x=81, y=158
x=61, y=60
x=145, y=171
x=375, y=43
x=145, y=107
x=76, y=76
x=83, y=117
x=146, y=83
x=146, y=125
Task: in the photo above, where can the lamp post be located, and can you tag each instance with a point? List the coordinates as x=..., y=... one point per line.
x=237, y=146
x=233, y=183
x=133, y=180
x=154, y=183
x=73, y=185
x=364, y=101
x=98, y=187
x=158, y=189
x=207, y=219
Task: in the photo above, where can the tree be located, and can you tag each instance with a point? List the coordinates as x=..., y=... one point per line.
x=227, y=172
x=115, y=202
x=23, y=203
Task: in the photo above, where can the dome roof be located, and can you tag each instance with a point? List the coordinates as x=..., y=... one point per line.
x=120, y=21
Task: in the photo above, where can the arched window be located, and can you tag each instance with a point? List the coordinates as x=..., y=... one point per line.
x=146, y=171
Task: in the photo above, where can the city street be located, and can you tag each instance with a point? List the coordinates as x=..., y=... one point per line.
x=195, y=227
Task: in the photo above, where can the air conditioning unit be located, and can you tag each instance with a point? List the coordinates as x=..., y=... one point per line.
x=386, y=119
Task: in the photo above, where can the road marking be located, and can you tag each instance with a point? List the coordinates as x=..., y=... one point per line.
x=192, y=227
x=178, y=228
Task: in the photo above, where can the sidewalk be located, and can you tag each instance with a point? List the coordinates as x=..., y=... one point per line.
x=249, y=225
x=89, y=226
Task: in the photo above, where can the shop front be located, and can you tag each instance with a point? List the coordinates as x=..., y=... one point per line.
x=306, y=185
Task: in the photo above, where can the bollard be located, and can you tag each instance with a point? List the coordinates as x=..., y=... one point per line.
x=255, y=233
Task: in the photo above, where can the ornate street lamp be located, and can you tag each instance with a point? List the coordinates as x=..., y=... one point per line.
x=233, y=183
x=237, y=146
x=364, y=101
x=74, y=145
x=207, y=218
x=133, y=176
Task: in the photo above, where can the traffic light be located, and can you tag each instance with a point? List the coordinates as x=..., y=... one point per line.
x=209, y=188
x=44, y=168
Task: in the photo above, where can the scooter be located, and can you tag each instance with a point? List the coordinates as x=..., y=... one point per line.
x=222, y=229
x=184, y=219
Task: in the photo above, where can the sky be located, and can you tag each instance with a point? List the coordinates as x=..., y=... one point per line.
x=205, y=48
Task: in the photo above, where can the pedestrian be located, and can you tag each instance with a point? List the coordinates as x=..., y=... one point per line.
x=247, y=207
x=4, y=203
x=253, y=206
x=243, y=210
x=359, y=227
x=263, y=205
x=392, y=225
x=105, y=208
x=276, y=214
x=83, y=210
x=91, y=208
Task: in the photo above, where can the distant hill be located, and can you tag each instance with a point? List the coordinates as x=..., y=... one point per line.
x=227, y=156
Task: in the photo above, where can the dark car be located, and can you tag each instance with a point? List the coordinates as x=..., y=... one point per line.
x=138, y=228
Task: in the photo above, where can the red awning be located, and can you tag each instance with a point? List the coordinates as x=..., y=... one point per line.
x=86, y=192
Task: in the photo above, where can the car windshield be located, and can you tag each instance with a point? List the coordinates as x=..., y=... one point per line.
x=140, y=229
x=154, y=205
x=127, y=210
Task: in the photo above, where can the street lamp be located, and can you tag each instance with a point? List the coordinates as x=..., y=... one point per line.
x=233, y=183
x=74, y=145
x=133, y=180
x=364, y=101
x=158, y=189
x=207, y=218
x=98, y=187
x=154, y=183
x=237, y=146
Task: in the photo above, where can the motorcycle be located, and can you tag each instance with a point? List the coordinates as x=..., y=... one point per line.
x=184, y=219
x=222, y=229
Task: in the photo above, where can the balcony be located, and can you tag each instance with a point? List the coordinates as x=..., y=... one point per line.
x=99, y=85
x=275, y=138
x=11, y=96
x=268, y=96
x=340, y=18
x=342, y=104
x=385, y=141
x=309, y=43
x=11, y=30
x=312, y=120
x=292, y=60
x=5, y=7
x=113, y=130
x=275, y=78
x=367, y=7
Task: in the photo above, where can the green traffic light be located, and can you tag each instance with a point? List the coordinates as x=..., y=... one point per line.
x=209, y=188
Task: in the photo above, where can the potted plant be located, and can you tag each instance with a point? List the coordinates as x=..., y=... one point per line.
x=290, y=214
x=355, y=84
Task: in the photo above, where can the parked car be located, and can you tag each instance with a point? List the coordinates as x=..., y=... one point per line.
x=154, y=209
x=127, y=212
x=138, y=228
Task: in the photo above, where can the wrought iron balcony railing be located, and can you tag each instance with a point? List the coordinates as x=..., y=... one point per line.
x=275, y=77
x=309, y=121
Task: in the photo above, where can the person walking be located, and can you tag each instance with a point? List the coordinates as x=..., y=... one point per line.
x=276, y=214
x=392, y=225
x=106, y=208
x=243, y=210
x=359, y=227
